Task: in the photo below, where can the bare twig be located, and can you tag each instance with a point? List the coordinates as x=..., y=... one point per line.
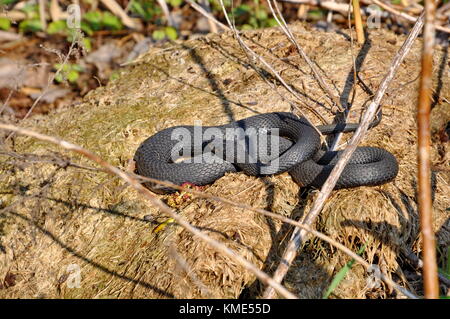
x=283, y=219
x=430, y=278
x=43, y=14
x=165, y=9
x=358, y=22
x=115, y=8
x=55, y=11
x=280, y=19
x=255, y=56
x=208, y=15
x=299, y=235
x=155, y=201
x=62, y=162
x=188, y=270
x=329, y=5
x=50, y=81
x=343, y=8
x=405, y=15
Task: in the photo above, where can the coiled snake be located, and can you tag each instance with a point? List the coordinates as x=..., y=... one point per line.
x=263, y=144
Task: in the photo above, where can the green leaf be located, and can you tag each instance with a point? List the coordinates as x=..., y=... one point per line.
x=316, y=14
x=241, y=10
x=158, y=35
x=111, y=22
x=72, y=76
x=175, y=3
x=261, y=14
x=30, y=9
x=86, y=28
x=59, y=26
x=341, y=274
x=87, y=44
x=247, y=27
x=7, y=2
x=171, y=33
x=272, y=22
x=59, y=78
x=94, y=19
x=30, y=26
x=114, y=76
x=5, y=24
x=137, y=8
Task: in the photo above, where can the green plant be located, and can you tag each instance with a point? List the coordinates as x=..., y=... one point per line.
x=341, y=274
x=175, y=3
x=68, y=71
x=145, y=9
x=30, y=25
x=98, y=20
x=167, y=32
x=252, y=17
x=7, y=2
x=5, y=24
x=60, y=27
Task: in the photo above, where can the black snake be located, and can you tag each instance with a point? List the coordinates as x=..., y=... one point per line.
x=290, y=143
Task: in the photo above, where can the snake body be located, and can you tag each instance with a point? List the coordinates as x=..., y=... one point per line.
x=292, y=145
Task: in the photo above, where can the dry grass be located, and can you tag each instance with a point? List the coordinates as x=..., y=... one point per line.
x=65, y=216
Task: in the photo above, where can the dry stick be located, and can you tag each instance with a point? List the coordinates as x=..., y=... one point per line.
x=298, y=235
x=55, y=11
x=188, y=270
x=115, y=8
x=430, y=278
x=338, y=136
x=329, y=5
x=165, y=9
x=50, y=81
x=280, y=19
x=208, y=15
x=405, y=15
x=212, y=25
x=42, y=14
x=343, y=8
x=358, y=22
x=65, y=163
x=255, y=56
x=287, y=220
x=155, y=201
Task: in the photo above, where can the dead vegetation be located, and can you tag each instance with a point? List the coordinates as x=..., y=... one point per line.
x=56, y=215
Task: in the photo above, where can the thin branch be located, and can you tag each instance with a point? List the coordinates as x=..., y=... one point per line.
x=405, y=15
x=156, y=202
x=430, y=278
x=299, y=235
x=115, y=8
x=358, y=22
x=211, y=19
x=255, y=56
x=64, y=162
x=286, y=220
x=165, y=9
x=50, y=81
x=343, y=8
x=43, y=14
x=280, y=19
x=188, y=270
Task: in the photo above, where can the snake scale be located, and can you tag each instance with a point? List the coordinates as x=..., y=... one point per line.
x=290, y=144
